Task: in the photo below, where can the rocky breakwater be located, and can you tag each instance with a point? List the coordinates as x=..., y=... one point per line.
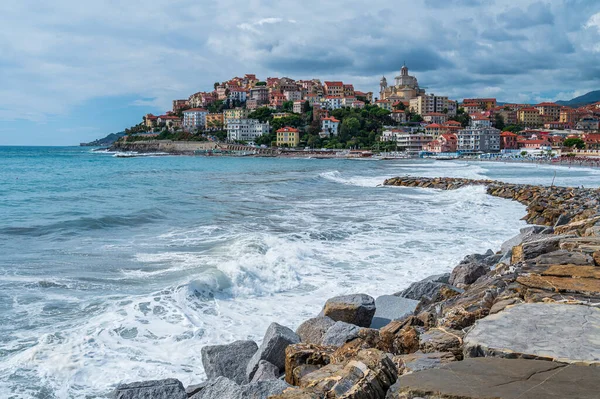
x=521, y=322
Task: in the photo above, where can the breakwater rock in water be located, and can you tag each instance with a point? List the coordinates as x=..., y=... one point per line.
x=518, y=323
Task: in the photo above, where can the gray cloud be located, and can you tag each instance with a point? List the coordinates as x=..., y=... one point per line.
x=535, y=14
x=63, y=54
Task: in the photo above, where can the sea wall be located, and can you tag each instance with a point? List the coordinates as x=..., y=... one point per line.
x=519, y=322
x=185, y=147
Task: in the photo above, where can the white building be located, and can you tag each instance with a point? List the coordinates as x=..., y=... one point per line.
x=407, y=141
x=330, y=125
x=332, y=102
x=479, y=140
x=236, y=93
x=292, y=95
x=246, y=129
x=297, y=109
x=194, y=118
x=480, y=121
x=348, y=101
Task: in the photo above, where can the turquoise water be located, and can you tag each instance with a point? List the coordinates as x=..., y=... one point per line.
x=121, y=269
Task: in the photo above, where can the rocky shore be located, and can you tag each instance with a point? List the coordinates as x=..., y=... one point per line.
x=522, y=322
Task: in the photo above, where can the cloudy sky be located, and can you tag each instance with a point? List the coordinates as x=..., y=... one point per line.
x=73, y=70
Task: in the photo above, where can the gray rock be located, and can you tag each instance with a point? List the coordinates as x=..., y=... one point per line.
x=340, y=333
x=428, y=287
x=420, y=361
x=194, y=389
x=228, y=361
x=390, y=307
x=313, y=330
x=357, y=309
x=219, y=388
x=263, y=389
x=526, y=233
x=500, y=378
x=224, y=388
x=157, y=389
x=266, y=371
x=533, y=249
x=558, y=332
x=467, y=273
x=442, y=340
x=563, y=257
x=272, y=349
x=562, y=220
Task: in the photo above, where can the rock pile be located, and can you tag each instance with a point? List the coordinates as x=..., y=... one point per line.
x=518, y=323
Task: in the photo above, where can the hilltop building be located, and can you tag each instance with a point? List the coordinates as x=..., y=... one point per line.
x=406, y=87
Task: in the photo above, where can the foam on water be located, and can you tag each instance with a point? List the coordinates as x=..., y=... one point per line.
x=155, y=294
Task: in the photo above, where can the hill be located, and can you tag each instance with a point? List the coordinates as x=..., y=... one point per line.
x=106, y=141
x=589, y=98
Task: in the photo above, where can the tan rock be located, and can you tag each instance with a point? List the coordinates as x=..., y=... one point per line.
x=562, y=284
x=298, y=355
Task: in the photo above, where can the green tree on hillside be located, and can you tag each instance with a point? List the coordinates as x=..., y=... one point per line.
x=574, y=142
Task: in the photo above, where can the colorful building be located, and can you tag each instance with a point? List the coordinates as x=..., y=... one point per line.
x=194, y=118
x=288, y=137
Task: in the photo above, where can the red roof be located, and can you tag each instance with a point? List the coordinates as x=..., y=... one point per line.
x=449, y=136
x=508, y=134
x=334, y=84
x=453, y=123
x=331, y=118
x=287, y=129
x=433, y=126
x=168, y=117
x=195, y=110
x=480, y=118
x=547, y=105
x=529, y=109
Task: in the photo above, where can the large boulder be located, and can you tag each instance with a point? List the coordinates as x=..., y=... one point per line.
x=228, y=361
x=340, y=333
x=301, y=359
x=224, y=388
x=526, y=234
x=220, y=387
x=564, y=257
x=157, y=389
x=266, y=371
x=367, y=376
x=428, y=287
x=420, y=361
x=487, y=378
x=272, y=349
x=313, y=330
x=471, y=268
x=533, y=249
x=546, y=331
x=390, y=307
x=442, y=340
x=357, y=309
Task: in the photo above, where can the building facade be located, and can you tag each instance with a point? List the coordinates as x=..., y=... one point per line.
x=245, y=129
x=430, y=103
x=330, y=125
x=194, y=118
x=479, y=140
x=288, y=137
x=406, y=87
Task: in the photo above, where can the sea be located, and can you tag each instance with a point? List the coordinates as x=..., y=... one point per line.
x=120, y=269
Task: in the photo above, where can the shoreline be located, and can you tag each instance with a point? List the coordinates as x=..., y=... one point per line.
x=475, y=317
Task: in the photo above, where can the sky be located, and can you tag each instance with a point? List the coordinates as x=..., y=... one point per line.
x=73, y=71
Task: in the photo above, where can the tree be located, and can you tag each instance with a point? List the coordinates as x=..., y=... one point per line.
x=217, y=84
x=288, y=106
x=523, y=153
x=260, y=84
x=499, y=122
x=349, y=128
x=416, y=118
x=574, y=142
x=306, y=106
x=263, y=114
x=513, y=128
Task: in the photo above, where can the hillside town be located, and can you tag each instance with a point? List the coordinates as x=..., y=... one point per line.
x=298, y=115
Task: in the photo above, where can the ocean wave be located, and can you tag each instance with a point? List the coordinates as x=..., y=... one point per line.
x=359, y=181
x=73, y=226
